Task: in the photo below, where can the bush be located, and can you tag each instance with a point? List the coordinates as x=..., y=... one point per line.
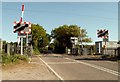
x=36, y=51
x=105, y=56
x=10, y=59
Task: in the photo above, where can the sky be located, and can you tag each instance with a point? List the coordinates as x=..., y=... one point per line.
x=88, y=15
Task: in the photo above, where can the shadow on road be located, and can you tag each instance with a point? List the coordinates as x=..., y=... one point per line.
x=98, y=59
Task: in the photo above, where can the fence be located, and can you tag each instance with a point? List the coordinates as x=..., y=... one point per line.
x=111, y=51
x=14, y=49
x=79, y=51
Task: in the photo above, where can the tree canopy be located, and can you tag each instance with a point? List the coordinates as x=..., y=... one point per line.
x=63, y=33
x=39, y=36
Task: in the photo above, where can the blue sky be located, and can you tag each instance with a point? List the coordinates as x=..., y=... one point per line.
x=88, y=15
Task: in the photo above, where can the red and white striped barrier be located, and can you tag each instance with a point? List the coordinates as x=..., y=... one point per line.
x=22, y=13
x=26, y=30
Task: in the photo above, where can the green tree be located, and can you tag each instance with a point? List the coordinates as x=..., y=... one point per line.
x=39, y=36
x=63, y=33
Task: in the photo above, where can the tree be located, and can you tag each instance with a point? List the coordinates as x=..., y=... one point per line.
x=39, y=36
x=63, y=33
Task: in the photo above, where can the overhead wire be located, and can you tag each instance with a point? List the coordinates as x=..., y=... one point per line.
x=65, y=13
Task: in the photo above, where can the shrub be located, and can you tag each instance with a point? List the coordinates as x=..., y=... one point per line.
x=36, y=51
x=10, y=59
x=105, y=56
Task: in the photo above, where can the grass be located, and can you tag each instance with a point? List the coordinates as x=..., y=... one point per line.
x=112, y=58
x=105, y=56
x=36, y=51
x=13, y=59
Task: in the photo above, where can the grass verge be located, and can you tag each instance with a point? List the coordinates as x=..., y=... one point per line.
x=13, y=59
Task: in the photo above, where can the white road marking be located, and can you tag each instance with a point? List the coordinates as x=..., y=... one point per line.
x=51, y=69
x=97, y=67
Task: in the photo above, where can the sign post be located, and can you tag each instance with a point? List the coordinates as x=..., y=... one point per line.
x=23, y=29
x=27, y=39
x=103, y=34
x=21, y=45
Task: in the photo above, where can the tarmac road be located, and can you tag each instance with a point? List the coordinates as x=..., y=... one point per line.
x=67, y=68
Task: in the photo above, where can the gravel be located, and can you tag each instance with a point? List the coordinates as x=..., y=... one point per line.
x=35, y=70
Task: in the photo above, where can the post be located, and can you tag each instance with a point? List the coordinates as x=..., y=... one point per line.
x=99, y=48
x=21, y=45
x=81, y=46
x=1, y=45
x=8, y=49
x=81, y=38
x=27, y=40
x=105, y=48
x=27, y=44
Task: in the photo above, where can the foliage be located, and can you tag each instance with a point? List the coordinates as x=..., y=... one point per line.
x=51, y=46
x=39, y=36
x=62, y=36
x=36, y=51
x=105, y=56
x=10, y=59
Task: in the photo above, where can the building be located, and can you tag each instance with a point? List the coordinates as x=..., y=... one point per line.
x=109, y=47
x=78, y=48
x=74, y=41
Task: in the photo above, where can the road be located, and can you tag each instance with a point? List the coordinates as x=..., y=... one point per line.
x=76, y=68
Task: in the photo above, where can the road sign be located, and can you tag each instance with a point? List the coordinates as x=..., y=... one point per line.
x=22, y=27
x=102, y=33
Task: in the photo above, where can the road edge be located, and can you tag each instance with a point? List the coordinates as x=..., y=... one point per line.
x=97, y=67
x=51, y=69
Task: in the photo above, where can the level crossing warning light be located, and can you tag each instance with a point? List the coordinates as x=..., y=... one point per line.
x=22, y=28
x=102, y=33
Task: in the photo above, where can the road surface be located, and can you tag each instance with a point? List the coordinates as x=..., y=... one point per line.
x=75, y=68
